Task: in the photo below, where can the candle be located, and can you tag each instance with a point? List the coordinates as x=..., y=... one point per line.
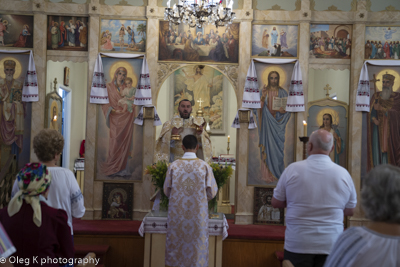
x=169, y=3
x=229, y=138
x=305, y=128
x=208, y=127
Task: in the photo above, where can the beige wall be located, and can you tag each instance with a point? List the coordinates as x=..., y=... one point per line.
x=77, y=84
x=338, y=80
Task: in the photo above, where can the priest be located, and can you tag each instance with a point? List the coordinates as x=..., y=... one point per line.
x=189, y=184
x=169, y=143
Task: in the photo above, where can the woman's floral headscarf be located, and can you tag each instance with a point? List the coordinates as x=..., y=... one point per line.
x=33, y=180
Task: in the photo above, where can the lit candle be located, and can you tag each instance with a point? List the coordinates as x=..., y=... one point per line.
x=305, y=128
x=229, y=138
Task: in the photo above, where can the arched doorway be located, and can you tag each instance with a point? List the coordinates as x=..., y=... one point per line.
x=220, y=108
x=342, y=34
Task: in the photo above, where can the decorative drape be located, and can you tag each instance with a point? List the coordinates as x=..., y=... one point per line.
x=251, y=93
x=252, y=123
x=30, y=91
x=99, y=95
x=363, y=89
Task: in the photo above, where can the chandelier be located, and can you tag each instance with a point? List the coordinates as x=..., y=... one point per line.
x=199, y=13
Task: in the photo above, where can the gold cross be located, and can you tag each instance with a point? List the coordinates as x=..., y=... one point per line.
x=55, y=84
x=200, y=101
x=327, y=88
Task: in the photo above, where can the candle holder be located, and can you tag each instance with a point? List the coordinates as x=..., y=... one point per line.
x=304, y=139
x=228, y=148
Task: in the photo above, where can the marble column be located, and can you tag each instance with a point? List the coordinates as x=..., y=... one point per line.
x=355, y=127
x=304, y=40
x=39, y=55
x=92, y=190
x=244, y=195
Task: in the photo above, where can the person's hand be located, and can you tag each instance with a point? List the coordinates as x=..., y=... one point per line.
x=176, y=131
x=200, y=131
x=281, y=110
x=375, y=121
x=264, y=91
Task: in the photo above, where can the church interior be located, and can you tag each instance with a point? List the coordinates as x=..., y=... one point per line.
x=326, y=42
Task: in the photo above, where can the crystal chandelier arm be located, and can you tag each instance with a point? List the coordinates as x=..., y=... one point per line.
x=200, y=13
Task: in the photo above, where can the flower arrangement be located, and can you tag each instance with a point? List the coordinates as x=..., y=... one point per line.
x=221, y=174
x=158, y=172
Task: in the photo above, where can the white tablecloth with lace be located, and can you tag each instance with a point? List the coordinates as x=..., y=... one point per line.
x=158, y=225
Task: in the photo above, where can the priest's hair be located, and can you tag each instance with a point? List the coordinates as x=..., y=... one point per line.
x=189, y=141
x=184, y=100
x=380, y=194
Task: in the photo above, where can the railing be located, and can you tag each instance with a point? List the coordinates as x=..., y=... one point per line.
x=7, y=176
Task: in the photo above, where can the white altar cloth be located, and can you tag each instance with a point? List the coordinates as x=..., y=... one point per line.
x=155, y=222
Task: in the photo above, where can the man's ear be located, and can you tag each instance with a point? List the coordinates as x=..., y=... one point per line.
x=183, y=148
x=197, y=147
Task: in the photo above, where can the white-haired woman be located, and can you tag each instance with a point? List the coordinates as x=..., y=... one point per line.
x=377, y=244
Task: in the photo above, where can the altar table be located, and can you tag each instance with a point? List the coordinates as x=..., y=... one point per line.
x=154, y=228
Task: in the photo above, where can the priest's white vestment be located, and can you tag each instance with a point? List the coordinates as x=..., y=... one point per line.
x=189, y=184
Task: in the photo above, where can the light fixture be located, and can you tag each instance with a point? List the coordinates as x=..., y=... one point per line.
x=199, y=13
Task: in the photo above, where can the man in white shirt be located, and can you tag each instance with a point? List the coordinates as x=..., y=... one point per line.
x=317, y=194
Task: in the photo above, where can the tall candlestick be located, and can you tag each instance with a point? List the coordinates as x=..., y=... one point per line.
x=305, y=128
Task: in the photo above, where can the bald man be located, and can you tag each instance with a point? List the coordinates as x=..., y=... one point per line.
x=317, y=194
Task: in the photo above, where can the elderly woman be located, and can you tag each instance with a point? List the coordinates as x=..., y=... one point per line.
x=36, y=230
x=65, y=192
x=377, y=244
